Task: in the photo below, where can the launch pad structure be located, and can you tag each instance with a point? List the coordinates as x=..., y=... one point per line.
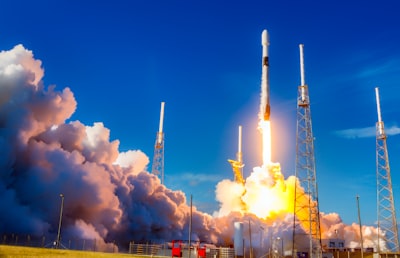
x=305, y=228
x=237, y=165
x=306, y=239
x=158, y=158
x=385, y=202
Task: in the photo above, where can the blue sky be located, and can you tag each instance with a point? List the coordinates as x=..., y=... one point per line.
x=203, y=58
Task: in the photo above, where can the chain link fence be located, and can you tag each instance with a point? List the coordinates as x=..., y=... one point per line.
x=46, y=242
x=95, y=245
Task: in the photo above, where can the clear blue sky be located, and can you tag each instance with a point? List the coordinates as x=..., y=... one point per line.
x=203, y=58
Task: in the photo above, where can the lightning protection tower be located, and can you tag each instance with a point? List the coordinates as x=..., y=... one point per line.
x=306, y=221
x=237, y=165
x=387, y=225
x=158, y=158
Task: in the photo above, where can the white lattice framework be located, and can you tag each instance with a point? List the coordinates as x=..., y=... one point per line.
x=158, y=158
x=387, y=223
x=306, y=224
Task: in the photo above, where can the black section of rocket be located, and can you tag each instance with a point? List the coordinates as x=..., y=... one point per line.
x=265, y=73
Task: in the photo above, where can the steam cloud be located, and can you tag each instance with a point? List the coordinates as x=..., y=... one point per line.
x=109, y=195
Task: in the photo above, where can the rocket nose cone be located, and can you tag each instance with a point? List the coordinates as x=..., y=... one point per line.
x=264, y=38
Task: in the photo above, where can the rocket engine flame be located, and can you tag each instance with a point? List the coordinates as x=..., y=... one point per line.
x=265, y=129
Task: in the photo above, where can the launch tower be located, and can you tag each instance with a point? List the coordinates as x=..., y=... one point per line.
x=237, y=165
x=385, y=202
x=306, y=222
x=158, y=158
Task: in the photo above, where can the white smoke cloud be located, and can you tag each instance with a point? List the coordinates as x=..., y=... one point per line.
x=19, y=64
x=231, y=202
x=135, y=160
x=108, y=195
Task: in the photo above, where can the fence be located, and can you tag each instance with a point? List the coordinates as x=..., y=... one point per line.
x=165, y=250
x=95, y=245
x=148, y=249
x=46, y=242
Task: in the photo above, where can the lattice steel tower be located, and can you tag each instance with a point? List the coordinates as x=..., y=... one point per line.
x=237, y=165
x=385, y=203
x=158, y=158
x=306, y=221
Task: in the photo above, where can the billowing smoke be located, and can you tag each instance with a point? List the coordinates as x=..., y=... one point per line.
x=109, y=195
x=265, y=203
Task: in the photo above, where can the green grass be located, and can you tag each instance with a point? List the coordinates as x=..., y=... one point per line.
x=21, y=252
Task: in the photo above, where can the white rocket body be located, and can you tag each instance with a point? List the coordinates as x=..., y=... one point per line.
x=265, y=109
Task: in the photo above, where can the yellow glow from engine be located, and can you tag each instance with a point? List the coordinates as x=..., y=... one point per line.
x=267, y=194
x=265, y=128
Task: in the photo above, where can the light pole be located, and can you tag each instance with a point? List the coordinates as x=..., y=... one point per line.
x=281, y=240
x=190, y=226
x=251, y=247
x=59, y=222
x=359, y=221
x=337, y=243
x=261, y=237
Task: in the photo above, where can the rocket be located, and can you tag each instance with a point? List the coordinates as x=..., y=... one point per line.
x=265, y=108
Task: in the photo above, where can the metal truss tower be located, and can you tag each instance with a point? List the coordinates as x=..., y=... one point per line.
x=237, y=165
x=387, y=224
x=158, y=158
x=306, y=221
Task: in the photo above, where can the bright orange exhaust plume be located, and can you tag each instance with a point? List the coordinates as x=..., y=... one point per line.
x=265, y=193
x=265, y=128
